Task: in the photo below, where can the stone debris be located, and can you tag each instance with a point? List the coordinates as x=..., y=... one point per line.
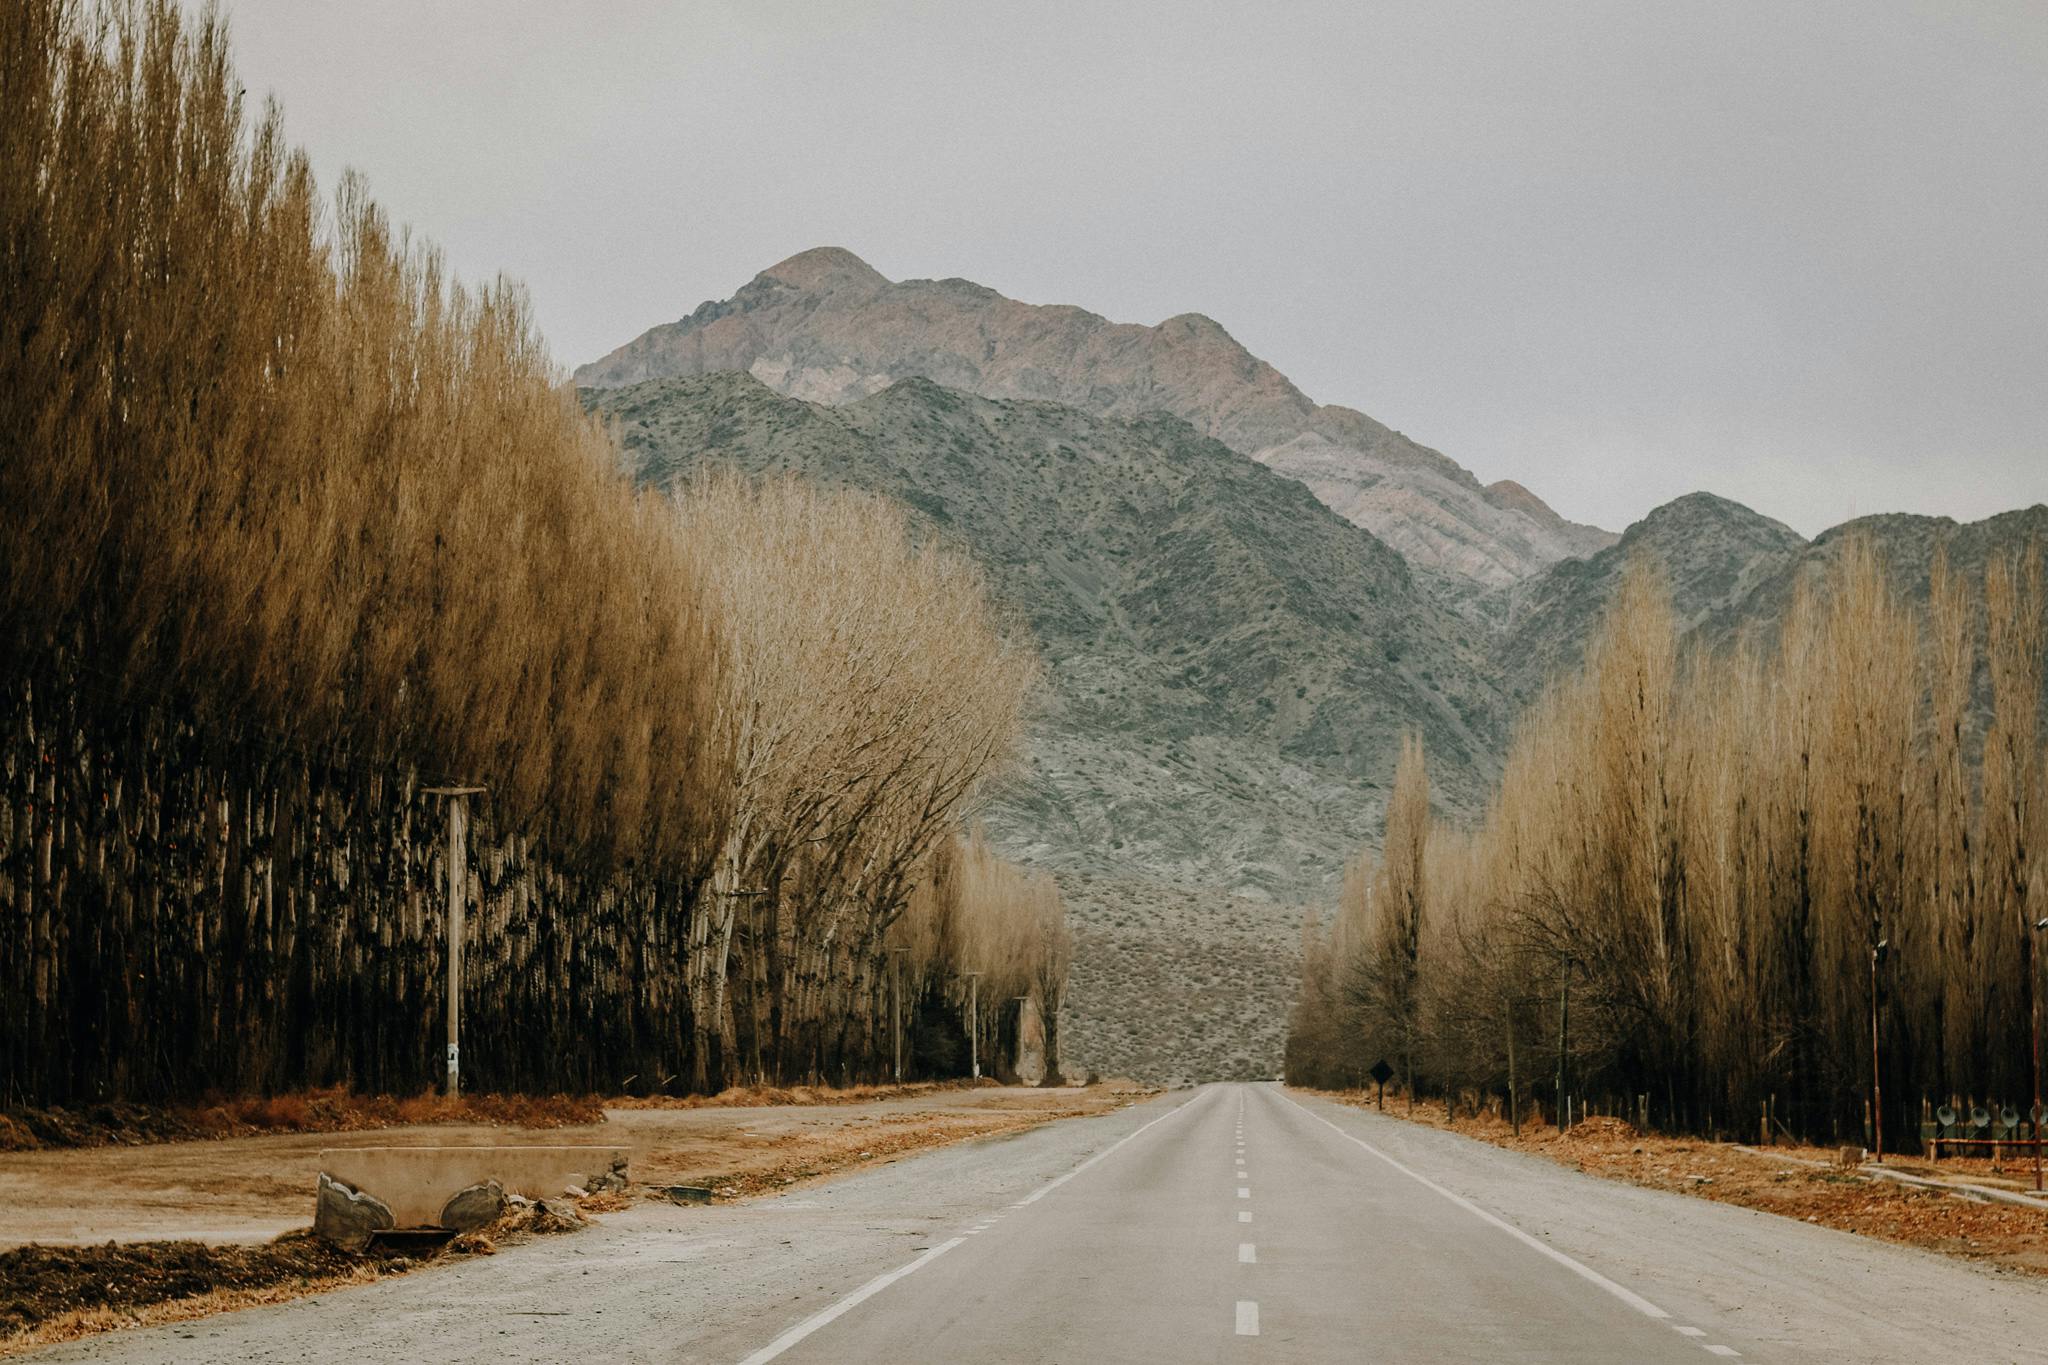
x=612, y=1181
x=474, y=1207
x=347, y=1217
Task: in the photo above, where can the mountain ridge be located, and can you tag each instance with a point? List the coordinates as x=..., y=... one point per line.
x=825, y=326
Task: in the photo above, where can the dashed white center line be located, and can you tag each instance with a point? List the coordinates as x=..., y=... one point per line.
x=1247, y=1318
x=1724, y=1350
x=1245, y=1216
x=1244, y=1191
x=1692, y=1331
x=1247, y=1254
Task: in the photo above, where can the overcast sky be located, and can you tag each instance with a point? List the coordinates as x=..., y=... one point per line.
x=1793, y=253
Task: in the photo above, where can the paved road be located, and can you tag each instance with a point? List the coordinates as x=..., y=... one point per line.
x=1232, y=1223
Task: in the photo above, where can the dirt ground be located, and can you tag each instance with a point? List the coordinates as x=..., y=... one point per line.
x=1796, y=1182
x=50, y=1294
x=100, y=1237
x=251, y=1189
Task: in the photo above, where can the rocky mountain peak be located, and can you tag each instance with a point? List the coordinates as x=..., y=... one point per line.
x=826, y=327
x=822, y=268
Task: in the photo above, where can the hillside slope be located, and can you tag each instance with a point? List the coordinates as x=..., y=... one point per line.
x=826, y=327
x=1732, y=573
x=1230, y=664
x=1713, y=553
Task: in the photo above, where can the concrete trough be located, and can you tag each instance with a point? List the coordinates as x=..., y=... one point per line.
x=364, y=1190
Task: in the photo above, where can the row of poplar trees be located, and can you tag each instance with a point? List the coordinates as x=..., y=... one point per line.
x=296, y=531
x=1787, y=874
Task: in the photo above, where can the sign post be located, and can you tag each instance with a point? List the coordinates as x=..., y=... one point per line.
x=1381, y=1073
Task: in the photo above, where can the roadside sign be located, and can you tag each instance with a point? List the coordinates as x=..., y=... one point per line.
x=1381, y=1074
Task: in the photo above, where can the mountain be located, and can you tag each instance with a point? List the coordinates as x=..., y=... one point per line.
x=1231, y=664
x=1732, y=573
x=1905, y=543
x=826, y=327
x=1714, y=554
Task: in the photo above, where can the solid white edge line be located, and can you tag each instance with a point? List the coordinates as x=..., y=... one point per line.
x=1585, y=1272
x=851, y=1301
x=881, y=1282
x=1043, y=1190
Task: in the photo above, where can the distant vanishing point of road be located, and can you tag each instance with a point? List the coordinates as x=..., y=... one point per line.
x=1230, y=1223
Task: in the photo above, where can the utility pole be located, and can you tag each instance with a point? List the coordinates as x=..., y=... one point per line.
x=2034, y=1016
x=896, y=1005
x=1877, y=951
x=1514, y=1100
x=458, y=884
x=1564, y=1025
x=974, y=1021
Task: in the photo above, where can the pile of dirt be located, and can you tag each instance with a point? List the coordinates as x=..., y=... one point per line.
x=333, y=1110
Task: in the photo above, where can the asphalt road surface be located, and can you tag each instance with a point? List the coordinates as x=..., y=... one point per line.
x=1230, y=1223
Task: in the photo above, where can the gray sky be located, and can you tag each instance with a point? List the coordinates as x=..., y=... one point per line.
x=1794, y=253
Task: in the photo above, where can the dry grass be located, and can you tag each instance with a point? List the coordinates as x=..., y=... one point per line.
x=279, y=489
x=312, y=1111
x=1690, y=863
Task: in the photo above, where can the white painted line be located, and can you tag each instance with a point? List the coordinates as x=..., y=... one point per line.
x=880, y=1282
x=1724, y=1350
x=1043, y=1190
x=1247, y=1318
x=1585, y=1272
x=851, y=1301
x=1247, y=1254
x=1244, y=1216
x=1691, y=1331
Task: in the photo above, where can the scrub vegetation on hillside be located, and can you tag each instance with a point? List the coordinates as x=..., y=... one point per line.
x=295, y=529
x=1715, y=881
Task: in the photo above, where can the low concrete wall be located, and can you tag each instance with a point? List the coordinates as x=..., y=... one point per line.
x=415, y=1183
